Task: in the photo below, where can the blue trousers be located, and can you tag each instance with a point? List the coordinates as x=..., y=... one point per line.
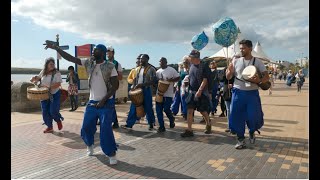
x=214, y=100
x=89, y=128
x=176, y=103
x=245, y=108
x=50, y=110
x=164, y=106
x=147, y=105
x=184, y=105
x=115, y=116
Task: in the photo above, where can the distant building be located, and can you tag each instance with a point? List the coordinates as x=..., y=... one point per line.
x=284, y=63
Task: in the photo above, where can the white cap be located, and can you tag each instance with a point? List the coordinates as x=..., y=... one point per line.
x=110, y=48
x=186, y=78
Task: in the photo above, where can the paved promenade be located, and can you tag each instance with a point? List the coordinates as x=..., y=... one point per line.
x=281, y=151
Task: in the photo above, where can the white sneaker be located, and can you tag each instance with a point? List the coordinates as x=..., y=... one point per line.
x=113, y=160
x=90, y=150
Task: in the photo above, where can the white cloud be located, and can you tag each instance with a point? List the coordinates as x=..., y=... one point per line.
x=275, y=23
x=26, y=63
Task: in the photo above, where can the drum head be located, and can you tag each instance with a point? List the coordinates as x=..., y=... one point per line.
x=249, y=72
x=164, y=82
x=136, y=91
x=34, y=89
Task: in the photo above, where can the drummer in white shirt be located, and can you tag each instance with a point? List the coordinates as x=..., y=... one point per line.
x=169, y=74
x=245, y=102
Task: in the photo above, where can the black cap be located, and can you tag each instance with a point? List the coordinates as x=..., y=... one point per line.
x=194, y=53
x=139, y=56
x=163, y=59
x=144, y=56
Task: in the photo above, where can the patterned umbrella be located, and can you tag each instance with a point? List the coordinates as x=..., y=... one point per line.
x=199, y=41
x=225, y=32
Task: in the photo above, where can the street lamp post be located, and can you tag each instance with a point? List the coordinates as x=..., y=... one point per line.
x=57, y=38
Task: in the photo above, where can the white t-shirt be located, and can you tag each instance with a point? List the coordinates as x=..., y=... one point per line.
x=239, y=64
x=141, y=76
x=165, y=74
x=45, y=80
x=98, y=88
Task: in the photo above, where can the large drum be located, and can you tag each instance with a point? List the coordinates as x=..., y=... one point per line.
x=162, y=88
x=249, y=72
x=35, y=93
x=136, y=96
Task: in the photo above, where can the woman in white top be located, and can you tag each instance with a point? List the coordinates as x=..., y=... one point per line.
x=50, y=78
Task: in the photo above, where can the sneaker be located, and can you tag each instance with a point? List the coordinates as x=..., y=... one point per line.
x=115, y=126
x=208, y=129
x=212, y=113
x=241, y=144
x=233, y=133
x=172, y=125
x=252, y=138
x=161, y=129
x=48, y=130
x=187, y=133
x=151, y=127
x=126, y=127
x=90, y=150
x=59, y=123
x=113, y=160
x=71, y=110
x=227, y=130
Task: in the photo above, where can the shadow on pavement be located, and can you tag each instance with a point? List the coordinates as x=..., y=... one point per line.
x=143, y=171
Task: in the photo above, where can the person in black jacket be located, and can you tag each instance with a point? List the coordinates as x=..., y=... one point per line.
x=227, y=94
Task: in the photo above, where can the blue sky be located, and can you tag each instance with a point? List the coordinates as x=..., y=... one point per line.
x=160, y=29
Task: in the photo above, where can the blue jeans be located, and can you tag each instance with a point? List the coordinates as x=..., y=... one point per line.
x=147, y=105
x=245, y=108
x=89, y=128
x=184, y=105
x=164, y=106
x=176, y=103
x=115, y=117
x=228, y=111
x=50, y=110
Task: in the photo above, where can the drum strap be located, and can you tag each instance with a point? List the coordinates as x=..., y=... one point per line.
x=254, y=60
x=144, y=72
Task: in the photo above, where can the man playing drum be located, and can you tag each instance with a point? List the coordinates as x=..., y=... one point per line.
x=245, y=102
x=146, y=77
x=169, y=74
x=103, y=83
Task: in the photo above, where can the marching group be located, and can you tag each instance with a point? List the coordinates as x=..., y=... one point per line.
x=197, y=85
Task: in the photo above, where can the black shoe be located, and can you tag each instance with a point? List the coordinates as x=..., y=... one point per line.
x=151, y=127
x=222, y=115
x=233, y=133
x=227, y=130
x=161, y=129
x=208, y=129
x=76, y=108
x=187, y=133
x=71, y=110
x=126, y=127
x=212, y=113
x=172, y=125
x=115, y=126
x=184, y=117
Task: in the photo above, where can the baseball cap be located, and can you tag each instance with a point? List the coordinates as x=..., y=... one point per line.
x=110, y=48
x=101, y=47
x=194, y=53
